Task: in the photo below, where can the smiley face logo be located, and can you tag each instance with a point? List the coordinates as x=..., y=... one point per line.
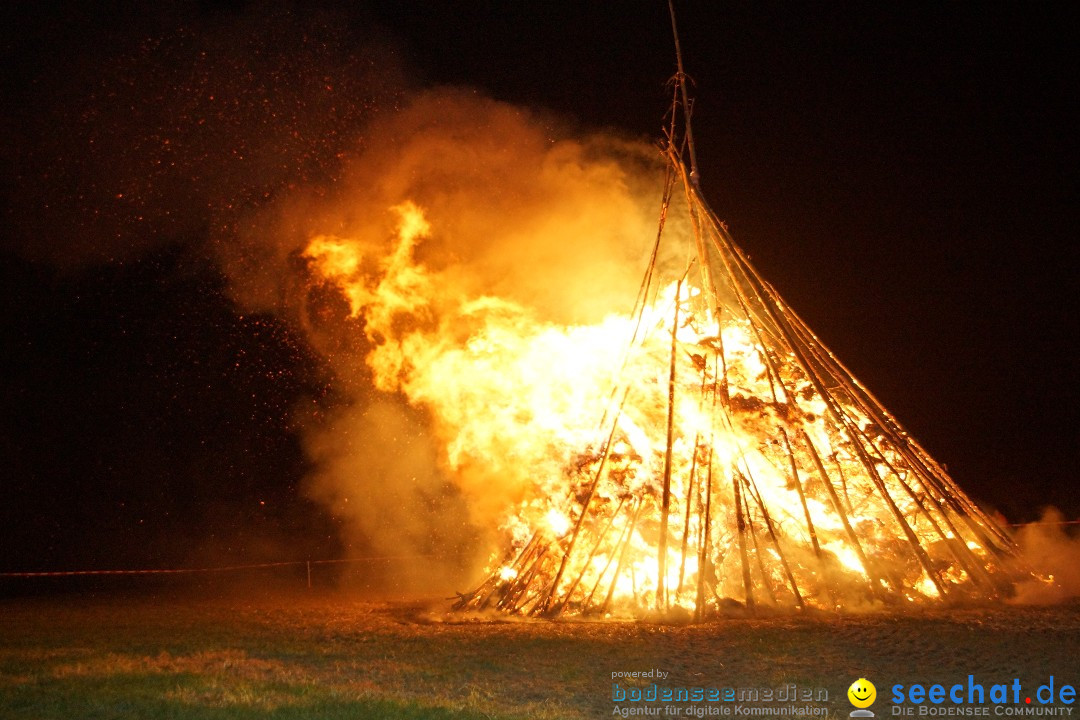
x=862, y=693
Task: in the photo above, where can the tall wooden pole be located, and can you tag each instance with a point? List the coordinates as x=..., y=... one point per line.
x=665, y=506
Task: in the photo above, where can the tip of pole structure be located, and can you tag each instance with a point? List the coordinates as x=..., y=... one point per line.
x=681, y=76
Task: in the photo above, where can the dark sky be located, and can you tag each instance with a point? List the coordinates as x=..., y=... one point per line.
x=904, y=174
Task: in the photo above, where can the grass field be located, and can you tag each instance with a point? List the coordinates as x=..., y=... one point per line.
x=327, y=656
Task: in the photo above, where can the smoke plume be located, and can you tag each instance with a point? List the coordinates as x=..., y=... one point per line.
x=245, y=135
x=530, y=225
x=1054, y=554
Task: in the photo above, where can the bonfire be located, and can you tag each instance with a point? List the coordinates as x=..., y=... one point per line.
x=703, y=453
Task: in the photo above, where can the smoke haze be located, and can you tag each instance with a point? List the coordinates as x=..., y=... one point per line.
x=241, y=136
x=544, y=226
x=1054, y=554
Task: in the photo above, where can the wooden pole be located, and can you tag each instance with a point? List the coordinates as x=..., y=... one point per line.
x=685, y=97
x=592, y=553
x=802, y=494
x=611, y=558
x=964, y=556
x=853, y=539
x=622, y=560
x=528, y=568
x=481, y=597
x=756, y=494
x=765, y=582
x=740, y=524
x=879, y=483
x=686, y=524
x=843, y=482
x=703, y=553
x=806, y=513
x=512, y=599
x=545, y=603
x=665, y=507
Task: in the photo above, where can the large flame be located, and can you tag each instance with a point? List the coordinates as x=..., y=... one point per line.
x=671, y=458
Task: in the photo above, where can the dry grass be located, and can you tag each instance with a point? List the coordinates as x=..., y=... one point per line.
x=332, y=657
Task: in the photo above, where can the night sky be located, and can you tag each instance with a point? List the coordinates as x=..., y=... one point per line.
x=904, y=174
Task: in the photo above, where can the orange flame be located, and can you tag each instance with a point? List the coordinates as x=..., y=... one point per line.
x=521, y=405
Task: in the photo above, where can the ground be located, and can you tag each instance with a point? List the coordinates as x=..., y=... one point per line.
x=328, y=656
